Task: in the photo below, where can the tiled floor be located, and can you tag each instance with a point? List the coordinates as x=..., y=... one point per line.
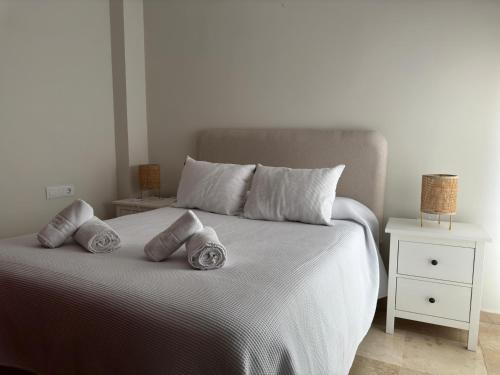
x=420, y=349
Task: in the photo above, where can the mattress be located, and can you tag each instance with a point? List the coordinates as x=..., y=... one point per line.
x=292, y=299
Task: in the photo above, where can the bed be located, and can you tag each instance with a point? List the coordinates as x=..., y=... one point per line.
x=292, y=299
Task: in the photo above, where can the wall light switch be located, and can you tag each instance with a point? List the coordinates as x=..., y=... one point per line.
x=60, y=191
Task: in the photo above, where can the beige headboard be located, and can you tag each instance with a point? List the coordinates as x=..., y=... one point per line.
x=363, y=152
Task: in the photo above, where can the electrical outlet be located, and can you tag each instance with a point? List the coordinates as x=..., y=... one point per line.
x=60, y=191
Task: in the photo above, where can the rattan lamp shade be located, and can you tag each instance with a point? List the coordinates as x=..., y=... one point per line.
x=439, y=195
x=149, y=177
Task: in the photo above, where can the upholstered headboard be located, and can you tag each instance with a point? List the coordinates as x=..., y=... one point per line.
x=363, y=152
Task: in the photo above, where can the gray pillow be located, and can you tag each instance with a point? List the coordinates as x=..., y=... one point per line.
x=305, y=195
x=214, y=187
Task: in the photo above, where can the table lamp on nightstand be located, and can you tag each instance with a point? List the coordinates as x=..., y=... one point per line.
x=149, y=178
x=439, y=195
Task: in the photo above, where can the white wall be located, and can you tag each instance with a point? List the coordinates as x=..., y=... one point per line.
x=424, y=73
x=133, y=19
x=56, y=108
x=129, y=92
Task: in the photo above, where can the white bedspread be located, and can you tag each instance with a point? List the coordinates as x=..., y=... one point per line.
x=291, y=299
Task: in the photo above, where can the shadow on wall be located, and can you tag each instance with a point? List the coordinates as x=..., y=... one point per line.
x=134, y=181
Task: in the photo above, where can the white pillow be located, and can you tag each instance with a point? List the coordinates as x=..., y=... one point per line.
x=214, y=187
x=305, y=195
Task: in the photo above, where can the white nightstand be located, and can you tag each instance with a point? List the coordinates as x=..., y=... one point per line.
x=436, y=274
x=133, y=205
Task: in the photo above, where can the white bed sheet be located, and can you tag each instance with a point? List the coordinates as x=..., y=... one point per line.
x=292, y=299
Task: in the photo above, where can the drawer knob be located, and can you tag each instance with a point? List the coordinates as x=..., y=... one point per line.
x=432, y=300
x=434, y=262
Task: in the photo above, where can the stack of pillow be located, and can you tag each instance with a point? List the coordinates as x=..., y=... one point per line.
x=260, y=192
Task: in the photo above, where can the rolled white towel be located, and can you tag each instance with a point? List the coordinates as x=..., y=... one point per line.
x=65, y=224
x=205, y=251
x=97, y=236
x=167, y=242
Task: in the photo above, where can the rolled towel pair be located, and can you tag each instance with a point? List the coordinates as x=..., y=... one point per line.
x=205, y=251
x=167, y=242
x=78, y=220
x=65, y=224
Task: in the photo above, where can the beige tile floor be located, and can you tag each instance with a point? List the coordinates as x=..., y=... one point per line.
x=425, y=349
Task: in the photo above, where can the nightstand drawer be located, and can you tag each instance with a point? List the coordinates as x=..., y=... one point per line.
x=443, y=262
x=435, y=299
x=122, y=211
x=134, y=205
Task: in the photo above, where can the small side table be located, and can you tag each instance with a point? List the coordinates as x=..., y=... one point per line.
x=134, y=205
x=436, y=274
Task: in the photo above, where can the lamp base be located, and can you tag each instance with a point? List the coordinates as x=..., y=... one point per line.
x=439, y=220
x=145, y=194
